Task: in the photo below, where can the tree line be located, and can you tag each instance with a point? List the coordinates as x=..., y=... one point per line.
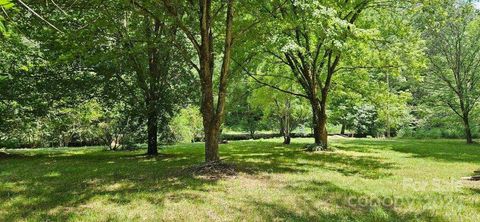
x=172, y=70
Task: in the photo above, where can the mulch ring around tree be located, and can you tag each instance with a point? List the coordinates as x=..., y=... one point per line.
x=214, y=170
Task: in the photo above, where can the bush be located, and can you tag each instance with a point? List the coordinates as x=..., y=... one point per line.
x=187, y=125
x=434, y=133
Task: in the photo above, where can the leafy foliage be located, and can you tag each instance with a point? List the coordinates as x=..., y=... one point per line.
x=187, y=125
x=122, y=72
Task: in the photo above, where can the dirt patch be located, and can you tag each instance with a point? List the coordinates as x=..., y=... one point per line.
x=214, y=170
x=160, y=156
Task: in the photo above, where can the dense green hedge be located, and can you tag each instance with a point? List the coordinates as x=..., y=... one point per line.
x=436, y=133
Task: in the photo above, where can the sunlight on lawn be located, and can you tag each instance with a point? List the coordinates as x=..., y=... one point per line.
x=362, y=180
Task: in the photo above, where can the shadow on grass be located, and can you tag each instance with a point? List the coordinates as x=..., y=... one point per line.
x=38, y=186
x=35, y=187
x=444, y=150
x=293, y=159
x=474, y=191
x=324, y=201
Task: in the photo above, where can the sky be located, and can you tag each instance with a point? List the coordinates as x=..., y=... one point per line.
x=477, y=5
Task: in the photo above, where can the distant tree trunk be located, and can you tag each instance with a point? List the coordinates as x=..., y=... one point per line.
x=287, y=139
x=152, y=126
x=468, y=131
x=252, y=134
x=342, y=131
x=388, y=133
x=152, y=87
x=284, y=121
x=286, y=132
x=282, y=126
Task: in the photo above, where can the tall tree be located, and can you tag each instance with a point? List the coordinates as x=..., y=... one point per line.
x=314, y=38
x=127, y=44
x=310, y=38
x=454, y=55
x=207, y=12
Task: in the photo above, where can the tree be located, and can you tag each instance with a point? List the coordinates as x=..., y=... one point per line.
x=187, y=126
x=126, y=44
x=454, y=55
x=120, y=125
x=343, y=107
x=311, y=38
x=313, y=34
x=287, y=110
x=241, y=114
x=205, y=16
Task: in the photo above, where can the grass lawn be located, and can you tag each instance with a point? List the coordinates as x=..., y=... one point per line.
x=362, y=180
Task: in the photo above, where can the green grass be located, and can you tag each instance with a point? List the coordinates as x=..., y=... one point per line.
x=362, y=180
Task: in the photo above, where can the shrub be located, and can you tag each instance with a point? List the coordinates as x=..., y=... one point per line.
x=187, y=125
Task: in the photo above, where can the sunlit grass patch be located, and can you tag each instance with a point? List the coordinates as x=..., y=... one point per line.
x=362, y=180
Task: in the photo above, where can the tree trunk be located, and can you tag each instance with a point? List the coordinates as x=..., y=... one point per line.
x=213, y=115
x=282, y=126
x=252, y=134
x=152, y=126
x=206, y=73
x=287, y=139
x=151, y=85
x=468, y=131
x=211, y=145
x=342, y=131
x=319, y=124
x=286, y=132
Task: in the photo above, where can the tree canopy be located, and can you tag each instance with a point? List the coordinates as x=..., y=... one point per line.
x=117, y=72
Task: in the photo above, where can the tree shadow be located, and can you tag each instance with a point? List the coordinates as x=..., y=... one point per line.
x=443, y=150
x=40, y=186
x=341, y=204
x=293, y=159
x=33, y=187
